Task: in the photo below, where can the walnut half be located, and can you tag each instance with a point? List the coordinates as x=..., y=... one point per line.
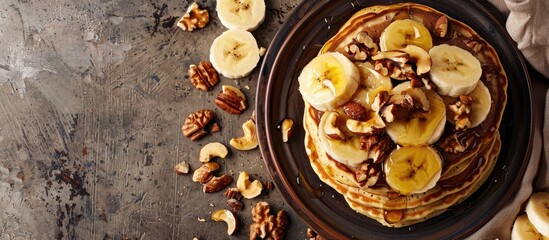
x=267, y=226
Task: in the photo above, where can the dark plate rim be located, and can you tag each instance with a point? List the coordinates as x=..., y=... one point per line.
x=265, y=136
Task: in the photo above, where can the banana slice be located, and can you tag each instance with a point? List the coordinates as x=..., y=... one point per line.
x=241, y=14
x=343, y=149
x=524, y=230
x=402, y=33
x=372, y=83
x=328, y=81
x=481, y=105
x=455, y=71
x=410, y=170
x=537, y=210
x=422, y=127
x=234, y=53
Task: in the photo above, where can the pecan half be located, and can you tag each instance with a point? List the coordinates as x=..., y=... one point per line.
x=473, y=44
x=203, y=77
x=231, y=99
x=368, y=174
x=233, y=193
x=194, y=18
x=194, y=124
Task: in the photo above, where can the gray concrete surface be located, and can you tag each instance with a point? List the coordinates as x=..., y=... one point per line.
x=92, y=98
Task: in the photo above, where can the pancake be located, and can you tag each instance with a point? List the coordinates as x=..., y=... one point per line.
x=462, y=172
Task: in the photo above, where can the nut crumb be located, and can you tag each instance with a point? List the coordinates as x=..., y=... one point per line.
x=201, y=219
x=182, y=168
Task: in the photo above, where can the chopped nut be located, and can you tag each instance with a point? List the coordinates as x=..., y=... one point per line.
x=233, y=193
x=368, y=174
x=249, y=140
x=182, y=168
x=416, y=82
x=419, y=98
x=194, y=18
x=217, y=183
x=195, y=123
x=211, y=150
x=419, y=56
x=441, y=26
x=262, y=51
x=287, y=128
x=248, y=189
x=461, y=110
x=374, y=125
x=428, y=84
x=361, y=47
x=355, y=111
x=311, y=233
x=204, y=173
x=380, y=100
x=235, y=204
x=397, y=107
x=229, y=217
x=397, y=56
x=269, y=185
x=215, y=127
x=453, y=143
x=474, y=45
x=390, y=68
x=331, y=128
x=377, y=146
x=231, y=99
x=203, y=77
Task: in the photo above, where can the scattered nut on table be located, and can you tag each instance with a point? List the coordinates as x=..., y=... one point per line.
x=193, y=127
x=204, y=76
x=265, y=225
x=231, y=100
x=194, y=18
x=182, y=168
x=233, y=193
x=229, y=217
x=249, y=140
x=212, y=150
x=217, y=184
x=287, y=128
x=248, y=189
x=204, y=173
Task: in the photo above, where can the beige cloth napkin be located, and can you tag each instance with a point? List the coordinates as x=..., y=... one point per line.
x=526, y=23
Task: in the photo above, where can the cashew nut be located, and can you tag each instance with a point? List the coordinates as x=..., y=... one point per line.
x=249, y=140
x=212, y=150
x=228, y=217
x=248, y=189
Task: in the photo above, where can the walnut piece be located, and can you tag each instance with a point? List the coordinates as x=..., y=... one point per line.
x=361, y=47
x=473, y=44
x=378, y=146
x=368, y=174
x=461, y=110
x=265, y=225
x=457, y=143
x=204, y=77
x=194, y=18
x=194, y=124
x=231, y=99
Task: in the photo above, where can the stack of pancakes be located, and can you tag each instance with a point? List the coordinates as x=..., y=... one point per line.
x=462, y=173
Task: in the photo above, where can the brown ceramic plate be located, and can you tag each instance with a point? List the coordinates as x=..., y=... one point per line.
x=311, y=24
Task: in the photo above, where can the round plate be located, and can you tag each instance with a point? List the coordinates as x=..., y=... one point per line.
x=311, y=24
